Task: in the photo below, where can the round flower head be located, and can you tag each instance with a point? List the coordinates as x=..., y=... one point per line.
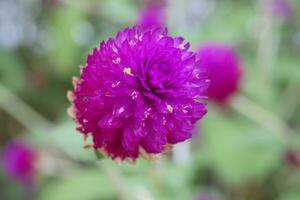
x=19, y=162
x=138, y=93
x=153, y=14
x=224, y=70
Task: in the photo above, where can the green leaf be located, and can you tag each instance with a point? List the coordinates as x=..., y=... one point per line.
x=65, y=137
x=238, y=152
x=290, y=196
x=78, y=185
x=12, y=72
x=65, y=53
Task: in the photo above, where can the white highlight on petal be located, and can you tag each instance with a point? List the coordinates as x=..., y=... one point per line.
x=184, y=109
x=114, y=49
x=132, y=43
x=117, y=60
x=147, y=113
x=121, y=110
x=115, y=84
x=164, y=121
x=170, y=108
x=134, y=94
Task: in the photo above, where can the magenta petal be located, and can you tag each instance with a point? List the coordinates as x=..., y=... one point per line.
x=139, y=92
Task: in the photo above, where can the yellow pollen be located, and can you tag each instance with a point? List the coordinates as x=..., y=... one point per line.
x=127, y=70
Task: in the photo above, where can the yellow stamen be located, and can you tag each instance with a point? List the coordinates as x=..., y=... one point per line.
x=127, y=70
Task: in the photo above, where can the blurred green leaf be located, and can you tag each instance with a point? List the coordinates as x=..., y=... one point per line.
x=121, y=11
x=65, y=52
x=244, y=154
x=66, y=138
x=12, y=71
x=290, y=196
x=79, y=185
x=71, y=141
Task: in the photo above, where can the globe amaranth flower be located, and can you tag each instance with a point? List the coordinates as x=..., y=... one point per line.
x=138, y=93
x=153, y=14
x=280, y=8
x=292, y=158
x=205, y=196
x=224, y=70
x=19, y=162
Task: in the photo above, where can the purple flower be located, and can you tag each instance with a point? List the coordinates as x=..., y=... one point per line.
x=224, y=70
x=280, y=8
x=292, y=157
x=138, y=93
x=153, y=15
x=204, y=196
x=19, y=162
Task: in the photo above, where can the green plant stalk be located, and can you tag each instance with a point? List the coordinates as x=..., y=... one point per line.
x=117, y=180
x=290, y=100
x=264, y=118
x=267, y=43
x=21, y=111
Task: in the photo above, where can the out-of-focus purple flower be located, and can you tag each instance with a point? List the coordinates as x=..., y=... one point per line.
x=280, y=8
x=292, y=157
x=204, y=196
x=224, y=70
x=153, y=15
x=138, y=93
x=19, y=162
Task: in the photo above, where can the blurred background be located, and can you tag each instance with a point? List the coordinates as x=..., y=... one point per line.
x=248, y=149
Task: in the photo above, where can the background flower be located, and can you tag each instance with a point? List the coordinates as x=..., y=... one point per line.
x=19, y=162
x=224, y=69
x=280, y=8
x=204, y=196
x=153, y=14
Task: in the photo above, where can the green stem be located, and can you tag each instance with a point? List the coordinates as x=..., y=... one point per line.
x=290, y=99
x=22, y=112
x=268, y=42
x=118, y=181
x=264, y=118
